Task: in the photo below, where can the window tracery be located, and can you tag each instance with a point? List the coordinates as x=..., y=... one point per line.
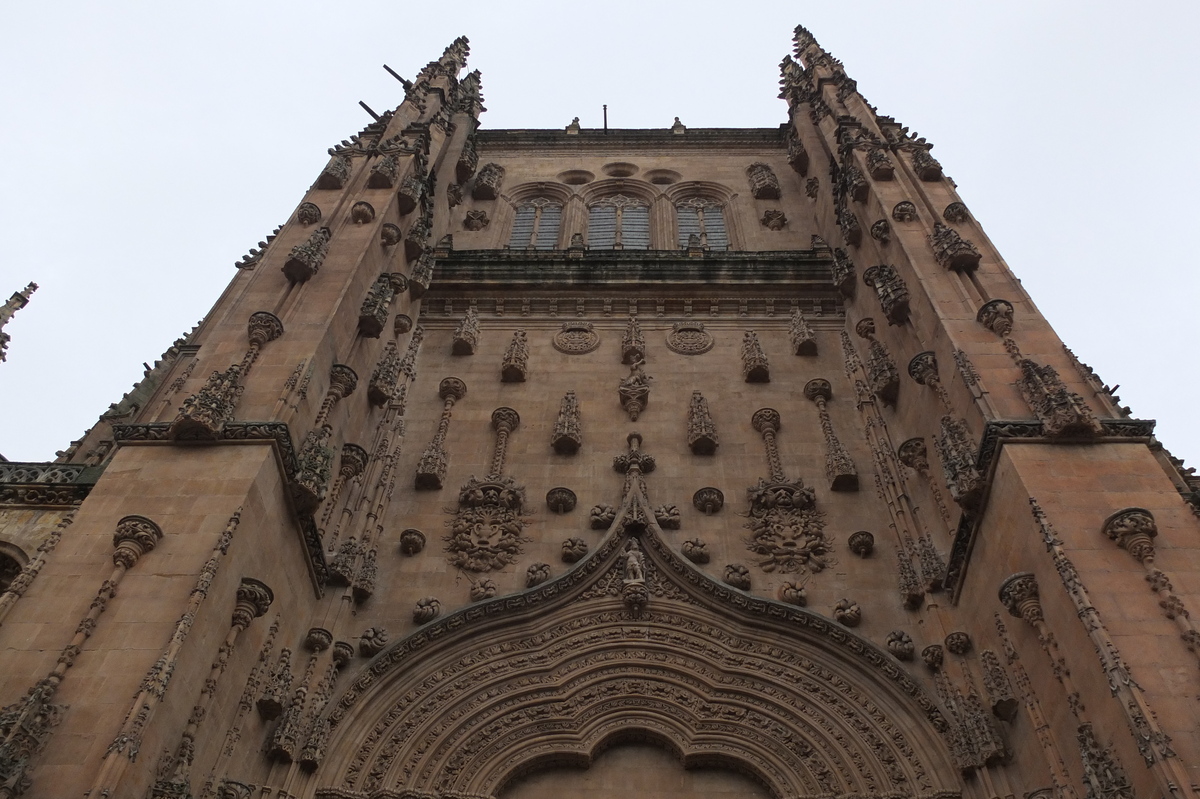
x=619, y=222
x=537, y=224
x=705, y=219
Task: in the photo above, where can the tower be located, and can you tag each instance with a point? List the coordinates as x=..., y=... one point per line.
x=514, y=452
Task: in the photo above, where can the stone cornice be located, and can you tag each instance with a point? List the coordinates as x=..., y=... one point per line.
x=998, y=433
x=633, y=139
x=46, y=484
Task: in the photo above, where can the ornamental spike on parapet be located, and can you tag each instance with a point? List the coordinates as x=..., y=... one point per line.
x=16, y=302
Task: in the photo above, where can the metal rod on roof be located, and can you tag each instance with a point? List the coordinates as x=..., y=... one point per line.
x=367, y=108
x=606, y=116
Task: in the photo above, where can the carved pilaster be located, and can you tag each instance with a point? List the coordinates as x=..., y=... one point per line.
x=839, y=468
x=431, y=469
x=515, y=366
x=701, y=432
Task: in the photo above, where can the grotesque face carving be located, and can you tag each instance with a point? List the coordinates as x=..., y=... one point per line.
x=792, y=541
x=484, y=538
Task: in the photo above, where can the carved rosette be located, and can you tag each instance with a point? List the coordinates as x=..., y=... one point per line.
x=536, y=574
x=482, y=589
x=389, y=234
x=634, y=391
x=737, y=576
x=372, y=641
x=466, y=335
x=801, y=335
x=476, y=220
x=701, y=432
x=755, y=368
x=314, y=469
x=904, y=211
x=774, y=219
x=561, y=500
x=689, y=338
x=958, y=642
x=997, y=316
x=426, y=610
x=847, y=612
x=412, y=541
x=203, y=415
x=956, y=213
x=956, y=450
x=305, y=259
x=900, y=644
x=882, y=374
x=881, y=231
x=763, y=183
x=695, y=550
x=861, y=543
x=891, y=290
x=574, y=550
x=576, y=338
x=932, y=656
x=362, y=213
x=844, y=273
x=308, y=214
x=708, y=500
x=514, y=368
x=488, y=181
x=951, y=250
x=567, y=436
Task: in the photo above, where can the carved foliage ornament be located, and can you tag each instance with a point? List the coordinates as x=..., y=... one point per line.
x=576, y=338
x=763, y=183
x=689, y=338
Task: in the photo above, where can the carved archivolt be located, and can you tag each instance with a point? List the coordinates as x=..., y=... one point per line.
x=555, y=673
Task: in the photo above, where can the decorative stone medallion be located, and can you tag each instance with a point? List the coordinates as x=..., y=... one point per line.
x=689, y=338
x=576, y=338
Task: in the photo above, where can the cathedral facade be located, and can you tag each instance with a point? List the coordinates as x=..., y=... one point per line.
x=686, y=461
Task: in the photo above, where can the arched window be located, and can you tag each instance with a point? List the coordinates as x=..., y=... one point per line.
x=618, y=222
x=9, y=569
x=536, y=225
x=704, y=219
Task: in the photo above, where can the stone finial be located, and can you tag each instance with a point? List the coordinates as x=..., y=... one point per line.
x=1133, y=529
x=1019, y=594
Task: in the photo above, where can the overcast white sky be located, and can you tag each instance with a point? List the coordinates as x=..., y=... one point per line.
x=148, y=145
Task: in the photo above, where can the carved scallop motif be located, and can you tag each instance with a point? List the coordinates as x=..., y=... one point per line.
x=689, y=338
x=576, y=338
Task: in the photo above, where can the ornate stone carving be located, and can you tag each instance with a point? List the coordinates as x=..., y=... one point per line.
x=701, y=432
x=1103, y=776
x=755, y=368
x=335, y=174
x=850, y=226
x=270, y=704
x=567, y=436
x=797, y=156
x=708, y=500
x=427, y=609
x=536, y=574
x=203, y=415
x=384, y=173
x=812, y=188
x=847, y=613
x=881, y=231
x=574, y=550
x=401, y=324
x=957, y=450
x=410, y=195
x=468, y=160
x=373, y=313
x=633, y=343
x=925, y=165
x=634, y=391
x=839, y=468
x=900, y=644
x=362, y=213
x=1061, y=411
x=763, y=183
x=956, y=213
x=861, y=543
x=668, y=517
x=560, y=500
x=476, y=220
x=305, y=259
x=431, y=469
x=737, y=576
x=958, y=642
x=454, y=195
x=933, y=656
x=695, y=550
x=774, y=219
x=879, y=165
x=854, y=184
x=602, y=516
x=416, y=240
x=466, y=335
x=844, y=273
x=792, y=593
x=1134, y=530
x=904, y=211
x=1019, y=594
x=308, y=214
x=997, y=316
x=382, y=386
x=421, y=276
x=372, y=641
x=951, y=250
x=389, y=235
x=891, y=290
x=515, y=366
x=999, y=689
x=412, y=541
x=482, y=589
x=801, y=335
x=487, y=182
x=576, y=338
x=315, y=468
x=882, y=374
x=689, y=338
